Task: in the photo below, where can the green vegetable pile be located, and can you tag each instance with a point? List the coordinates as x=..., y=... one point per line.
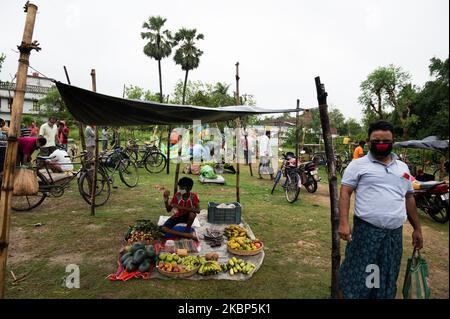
x=145, y=228
x=138, y=257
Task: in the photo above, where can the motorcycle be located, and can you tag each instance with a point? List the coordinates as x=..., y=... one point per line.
x=433, y=198
x=309, y=176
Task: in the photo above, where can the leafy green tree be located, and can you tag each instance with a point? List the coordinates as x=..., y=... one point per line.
x=137, y=93
x=431, y=103
x=187, y=55
x=159, y=45
x=2, y=59
x=53, y=105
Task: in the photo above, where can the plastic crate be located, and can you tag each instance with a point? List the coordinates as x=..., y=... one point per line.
x=224, y=215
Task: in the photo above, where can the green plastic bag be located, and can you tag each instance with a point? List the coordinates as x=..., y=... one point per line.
x=208, y=172
x=416, y=284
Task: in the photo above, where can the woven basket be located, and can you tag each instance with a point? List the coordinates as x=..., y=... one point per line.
x=178, y=274
x=245, y=252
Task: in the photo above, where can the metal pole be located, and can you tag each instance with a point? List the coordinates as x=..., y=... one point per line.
x=80, y=125
x=333, y=187
x=14, y=130
x=94, y=180
x=296, y=133
x=168, y=149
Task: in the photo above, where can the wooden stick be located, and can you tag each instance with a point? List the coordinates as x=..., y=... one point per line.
x=333, y=187
x=238, y=138
x=14, y=276
x=296, y=133
x=177, y=170
x=11, y=151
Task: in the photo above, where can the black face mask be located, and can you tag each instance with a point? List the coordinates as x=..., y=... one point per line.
x=381, y=149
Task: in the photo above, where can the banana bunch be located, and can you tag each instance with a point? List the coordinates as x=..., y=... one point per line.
x=209, y=268
x=235, y=266
x=234, y=231
x=190, y=262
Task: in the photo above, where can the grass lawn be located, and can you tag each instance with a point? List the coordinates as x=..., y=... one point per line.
x=296, y=236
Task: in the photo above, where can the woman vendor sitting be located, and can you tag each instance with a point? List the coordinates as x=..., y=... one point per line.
x=187, y=207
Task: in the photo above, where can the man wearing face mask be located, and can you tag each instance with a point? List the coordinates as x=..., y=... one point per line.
x=384, y=199
x=187, y=207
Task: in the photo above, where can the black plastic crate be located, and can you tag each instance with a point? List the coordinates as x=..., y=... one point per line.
x=224, y=215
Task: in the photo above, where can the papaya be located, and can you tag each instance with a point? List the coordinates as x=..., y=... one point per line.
x=139, y=256
x=137, y=246
x=145, y=266
x=128, y=260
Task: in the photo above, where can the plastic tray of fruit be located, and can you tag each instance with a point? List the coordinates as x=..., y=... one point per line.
x=243, y=246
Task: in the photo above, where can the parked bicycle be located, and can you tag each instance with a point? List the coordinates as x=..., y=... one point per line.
x=118, y=161
x=292, y=183
x=149, y=156
x=342, y=160
x=54, y=184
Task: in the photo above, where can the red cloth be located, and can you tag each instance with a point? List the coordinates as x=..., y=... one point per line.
x=178, y=199
x=27, y=145
x=63, y=135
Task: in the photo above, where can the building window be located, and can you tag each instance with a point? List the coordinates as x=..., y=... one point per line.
x=35, y=106
x=10, y=102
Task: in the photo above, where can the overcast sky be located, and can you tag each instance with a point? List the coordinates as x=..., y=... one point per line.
x=281, y=45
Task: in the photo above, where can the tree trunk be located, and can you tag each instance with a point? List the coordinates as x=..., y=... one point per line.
x=160, y=82
x=184, y=87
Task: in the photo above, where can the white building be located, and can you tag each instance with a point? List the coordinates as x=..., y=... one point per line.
x=36, y=88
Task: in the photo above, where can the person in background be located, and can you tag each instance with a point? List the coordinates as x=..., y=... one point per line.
x=3, y=127
x=105, y=136
x=384, y=200
x=27, y=145
x=265, y=153
x=187, y=207
x=50, y=131
x=89, y=135
x=63, y=135
x=25, y=131
x=359, y=150
x=59, y=161
x=34, y=129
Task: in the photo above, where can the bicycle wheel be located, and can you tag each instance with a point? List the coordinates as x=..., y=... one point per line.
x=292, y=189
x=155, y=162
x=132, y=154
x=128, y=172
x=439, y=211
x=103, y=187
x=277, y=180
x=28, y=202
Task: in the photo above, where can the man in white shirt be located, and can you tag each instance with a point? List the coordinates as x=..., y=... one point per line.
x=265, y=154
x=50, y=131
x=60, y=161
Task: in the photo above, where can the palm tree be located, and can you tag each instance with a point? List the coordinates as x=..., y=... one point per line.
x=159, y=45
x=187, y=55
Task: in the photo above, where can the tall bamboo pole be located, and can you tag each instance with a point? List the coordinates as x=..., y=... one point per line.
x=177, y=170
x=11, y=151
x=80, y=125
x=94, y=179
x=169, y=129
x=333, y=187
x=238, y=138
x=296, y=133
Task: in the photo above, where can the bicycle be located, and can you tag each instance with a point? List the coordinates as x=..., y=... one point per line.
x=54, y=184
x=115, y=161
x=292, y=184
x=150, y=156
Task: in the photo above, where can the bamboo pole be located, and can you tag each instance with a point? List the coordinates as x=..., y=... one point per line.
x=80, y=125
x=333, y=187
x=177, y=170
x=238, y=138
x=168, y=149
x=94, y=179
x=296, y=133
x=14, y=130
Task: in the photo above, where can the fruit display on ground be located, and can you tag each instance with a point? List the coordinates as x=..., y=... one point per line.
x=138, y=257
x=143, y=231
x=244, y=243
x=210, y=267
x=234, y=266
x=174, y=263
x=235, y=231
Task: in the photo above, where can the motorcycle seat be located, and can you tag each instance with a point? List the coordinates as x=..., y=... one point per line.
x=426, y=185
